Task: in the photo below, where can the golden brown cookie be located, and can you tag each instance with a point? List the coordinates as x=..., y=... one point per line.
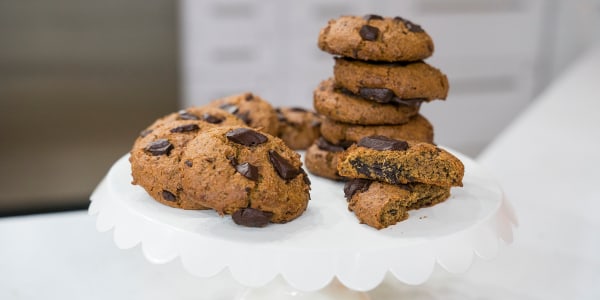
x=383, y=82
x=380, y=205
x=241, y=171
x=298, y=127
x=252, y=109
x=342, y=106
x=395, y=161
x=321, y=159
x=373, y=37
x=417, y=129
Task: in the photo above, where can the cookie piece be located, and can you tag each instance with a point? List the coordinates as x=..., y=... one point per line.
x=417, y=129
x=396, y=161
x=252, y=109
x=375, y=38
x=244, y=172
x=298, y=127
x=383, y=82
x=341, y=105
x=380, y=205
x=321, y=159
x=156, y=153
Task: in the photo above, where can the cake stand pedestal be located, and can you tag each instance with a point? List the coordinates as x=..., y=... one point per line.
x=325, y=253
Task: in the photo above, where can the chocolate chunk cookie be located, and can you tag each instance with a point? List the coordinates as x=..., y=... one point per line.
x=376, y=38
x=383, y=82
x=417, y=129
x=380, y=205
x=396, y=161
x=252, y=109
x=343, y=106
x=321, y=159
x=249, y=174
x=298, y=127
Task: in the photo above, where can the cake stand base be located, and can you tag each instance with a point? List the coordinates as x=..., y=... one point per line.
x=278, y=289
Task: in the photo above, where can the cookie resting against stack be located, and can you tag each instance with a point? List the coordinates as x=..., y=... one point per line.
x=379, y=83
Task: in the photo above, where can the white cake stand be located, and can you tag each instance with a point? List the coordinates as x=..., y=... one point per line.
x=325, y=253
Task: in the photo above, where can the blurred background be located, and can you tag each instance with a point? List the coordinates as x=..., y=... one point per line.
x=80, y=78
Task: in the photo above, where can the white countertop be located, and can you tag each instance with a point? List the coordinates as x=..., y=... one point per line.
x=546, y=161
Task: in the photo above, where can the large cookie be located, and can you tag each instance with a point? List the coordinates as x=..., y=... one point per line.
x=376, y=38
x=400, y=162
x=380, y=205
x=321, y=159
x=246, y=173
x=417, y=129
x=156, y=153
x=298, y=127
x=384, y=82
x=341, y=105
x=252, y=109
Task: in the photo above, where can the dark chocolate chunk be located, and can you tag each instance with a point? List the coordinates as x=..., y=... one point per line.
x=159, y=147
x=372, y=17
x=355, y=185
x=249, y=97
x=408, y=102
x=379, y=142
x=323, y=144
x=184, y=115
x=168, y=196
x=249, y=171
x=251, y=217
x=369, y=33
x=280, y=115
x=244, y=117
x=246, y=137
x=283, y=167
x=381, y=171
x=298, y=109
x=380, y=95
x=145, y=132
x=185, y=128
x=230, y=108
x=211, y=119
x=188, y=163
x=410, y=25
x=306, y=179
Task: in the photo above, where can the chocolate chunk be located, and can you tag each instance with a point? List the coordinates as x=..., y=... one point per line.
x=246, y=137
x=159, y=147
x=298, y=109
x=249, y=97
x=230, y=108
x=145, y=132
x=184, y=115
x=381, y=171
x=211, y=119
x=372, y=17
x=306, y=179
x=380, y=95
x=244, y=117
x=283, y=167
x=355, y=185
x=185, y=128
x=369, y=33
x=412, y=27
x=280, y=115
x=251, y=217
x=249, y=171
x=408, y=102
x=379, y=142
x=323, y=144
x=188, y=163
x=168, y=196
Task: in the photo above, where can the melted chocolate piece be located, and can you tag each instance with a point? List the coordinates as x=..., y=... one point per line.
x=159, y=147
x=380, y=95
x=249, y=97
x=283, y=167
x=381, y=171
x=369, y=33
x=323, y=144
x=372, y=17
x=230, y=108
x=168, y=196
x=246, y=137
x=306, y=179
x=379, y=142
x=184, y=115
x=251, y=217
x=188, y=163
x=185, y=128
x=412, y=27
x=249, y=171
x=211, y=119
x=298, y=109
x=145, y=132
x=355, y=185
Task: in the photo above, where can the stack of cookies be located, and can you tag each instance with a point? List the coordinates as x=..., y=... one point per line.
x=379, y=84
